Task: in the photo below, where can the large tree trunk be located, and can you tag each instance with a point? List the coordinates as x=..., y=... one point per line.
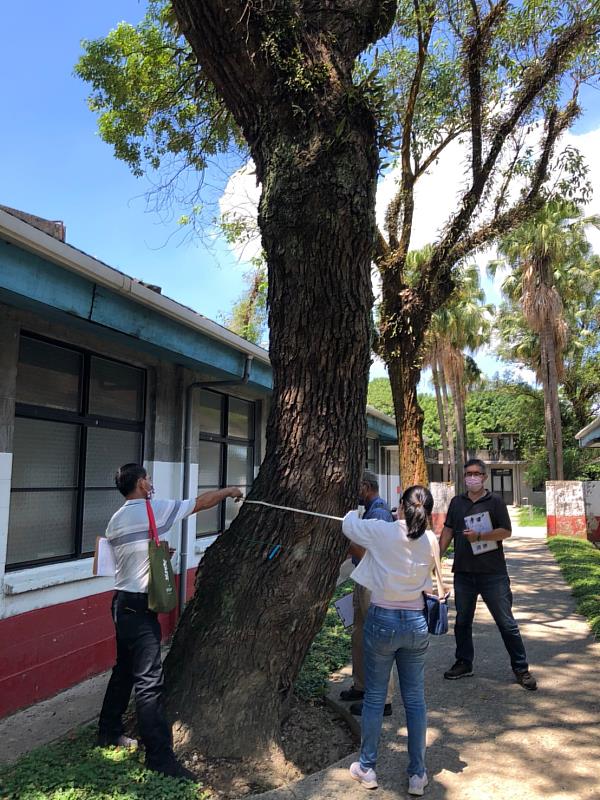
x=243, y=636
x=404, y=378
x=435, y=373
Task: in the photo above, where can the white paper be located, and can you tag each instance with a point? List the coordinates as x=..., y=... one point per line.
x=345, y=609
x=104, y=558
x=480, y=523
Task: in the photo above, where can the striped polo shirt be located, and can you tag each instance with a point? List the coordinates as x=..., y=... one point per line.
x=128, y=532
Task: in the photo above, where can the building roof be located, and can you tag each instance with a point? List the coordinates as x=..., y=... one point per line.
x=16, y=230
x=115, y=302
x=590, y=435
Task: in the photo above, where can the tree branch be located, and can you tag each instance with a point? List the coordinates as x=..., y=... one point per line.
x=437, y=151
x=536, y=78
x=558, y=122
x=405, y=199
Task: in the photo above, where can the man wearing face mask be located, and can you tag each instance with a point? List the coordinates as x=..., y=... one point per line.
x=138, y=634
x=375, y=508
x=483, y=574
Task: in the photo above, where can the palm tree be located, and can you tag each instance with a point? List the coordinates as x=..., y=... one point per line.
x=549, y=257
x=463, y=323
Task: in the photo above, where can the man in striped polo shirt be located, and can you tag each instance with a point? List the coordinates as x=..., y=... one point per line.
x=138, y=635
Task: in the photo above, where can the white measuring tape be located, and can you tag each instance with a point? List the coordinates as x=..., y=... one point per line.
x=295, y=510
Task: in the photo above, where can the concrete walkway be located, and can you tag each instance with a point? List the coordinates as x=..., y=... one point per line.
x=488, y=737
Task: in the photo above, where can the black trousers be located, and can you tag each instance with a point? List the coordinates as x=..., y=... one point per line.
x=139, y=668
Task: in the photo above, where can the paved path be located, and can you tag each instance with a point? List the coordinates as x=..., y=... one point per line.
x=488, y=738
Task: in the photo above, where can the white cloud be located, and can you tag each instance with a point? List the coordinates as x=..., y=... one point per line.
x=436, y=198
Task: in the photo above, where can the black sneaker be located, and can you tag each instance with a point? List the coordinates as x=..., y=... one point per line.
x=173, y=769
x=526, y=679
x=461, y=669
x=116, y=741
x=351, y=694
x=356, y=709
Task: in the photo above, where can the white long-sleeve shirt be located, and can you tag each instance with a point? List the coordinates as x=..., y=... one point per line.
x=395, y=568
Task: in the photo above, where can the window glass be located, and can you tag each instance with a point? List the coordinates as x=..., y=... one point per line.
x=208, y=521
x=116, y=390
x=48, y=375
x=372, y=454
x=99, y=506
x=64, y=459
x=107, y=450
x=210, y=413
x=209, y=463
x=240, y=418
x=45, y=454
x=239, y=465
x=41, y=525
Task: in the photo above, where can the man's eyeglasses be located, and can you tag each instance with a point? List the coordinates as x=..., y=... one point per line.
x=474, y=474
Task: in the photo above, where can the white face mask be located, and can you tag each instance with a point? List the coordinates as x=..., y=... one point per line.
x=474, y=482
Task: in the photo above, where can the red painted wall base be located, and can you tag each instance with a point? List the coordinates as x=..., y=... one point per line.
x=50, y=649
x=567, y=526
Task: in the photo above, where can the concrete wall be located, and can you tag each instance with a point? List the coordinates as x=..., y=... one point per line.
x=573, y=509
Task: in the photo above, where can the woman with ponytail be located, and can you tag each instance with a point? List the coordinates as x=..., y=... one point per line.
x=397, y=569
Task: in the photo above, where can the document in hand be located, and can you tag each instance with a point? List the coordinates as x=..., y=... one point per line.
x=345, y=609
x=104, y=558
x=480, y=523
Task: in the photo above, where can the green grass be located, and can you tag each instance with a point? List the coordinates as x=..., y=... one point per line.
x=74, y=769
x=579, y=562
x=532, y=516
x=329, y=652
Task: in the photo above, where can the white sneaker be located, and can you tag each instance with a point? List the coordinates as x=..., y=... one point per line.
x=365, y=776
x=416, y=784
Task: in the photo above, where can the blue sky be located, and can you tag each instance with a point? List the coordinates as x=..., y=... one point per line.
x=54, y=164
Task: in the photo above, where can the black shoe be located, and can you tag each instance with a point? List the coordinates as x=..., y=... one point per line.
x=116, y=741
x=526, y=679
x=461, y=669
x=356, y=709
x=351, y=694
x=173, y=769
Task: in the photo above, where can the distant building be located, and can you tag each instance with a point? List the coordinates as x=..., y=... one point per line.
x=506, y=470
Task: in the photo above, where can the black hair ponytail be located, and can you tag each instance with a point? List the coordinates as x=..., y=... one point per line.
x=417, y=502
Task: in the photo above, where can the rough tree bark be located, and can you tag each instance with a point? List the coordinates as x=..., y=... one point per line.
x=287, y=81
x=404, y=367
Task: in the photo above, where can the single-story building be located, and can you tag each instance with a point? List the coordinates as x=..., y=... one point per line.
x=590, y=435
x=96, y=370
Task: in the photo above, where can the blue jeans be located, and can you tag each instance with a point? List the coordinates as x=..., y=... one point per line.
x=400, y=636
x=496, y=594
